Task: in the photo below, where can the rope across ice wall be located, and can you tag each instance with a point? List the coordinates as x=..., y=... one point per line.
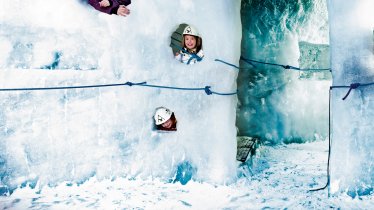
x=206, y=89
x=252, y=62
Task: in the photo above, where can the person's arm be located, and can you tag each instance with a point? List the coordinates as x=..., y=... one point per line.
x=111, y=9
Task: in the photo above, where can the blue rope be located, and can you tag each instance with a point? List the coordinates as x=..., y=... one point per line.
x=229, y=64
x=351, y=87
x=206, y=89
x=225, y=94
x=329, y=153
x=249, y=61
x=71, y=87
x=200, y=59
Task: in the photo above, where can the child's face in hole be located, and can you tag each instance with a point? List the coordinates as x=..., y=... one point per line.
x=167, y=124
x=190, y=41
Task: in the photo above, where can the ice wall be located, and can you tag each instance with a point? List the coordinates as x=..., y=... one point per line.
x=70, y=135
x=352, y=61
x=276, y=104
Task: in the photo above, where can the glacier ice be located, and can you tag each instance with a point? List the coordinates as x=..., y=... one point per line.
x=48, y=137
x=70, y=135
x=352, y=61
x=275, y=104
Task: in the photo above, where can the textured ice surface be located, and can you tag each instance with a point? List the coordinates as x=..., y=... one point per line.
x=71, y=135
x=314, y=56
x=274, y=103
x=282, y=177
x=352, y=60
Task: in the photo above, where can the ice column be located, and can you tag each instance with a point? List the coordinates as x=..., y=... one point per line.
x=352, y=61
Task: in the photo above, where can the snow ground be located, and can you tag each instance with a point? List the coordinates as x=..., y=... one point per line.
x=281, y=178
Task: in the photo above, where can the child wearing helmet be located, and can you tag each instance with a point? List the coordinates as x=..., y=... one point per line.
x=191, y=51
x=165, y=119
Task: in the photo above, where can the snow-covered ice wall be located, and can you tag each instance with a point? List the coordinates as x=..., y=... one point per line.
x=352, y=61
x=47, y=137
x=277, y=104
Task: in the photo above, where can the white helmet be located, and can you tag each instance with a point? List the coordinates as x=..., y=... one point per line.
x=190, y=30
x=162, y=115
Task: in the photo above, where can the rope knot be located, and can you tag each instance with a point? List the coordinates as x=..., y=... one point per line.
x=207, y=90
x=355, y=85
x=352, y=86
x=129, y=84
x=287, y=67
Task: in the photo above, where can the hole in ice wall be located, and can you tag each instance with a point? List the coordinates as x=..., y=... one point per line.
x=56, y=61
x=165, y=119
x=187, y=44
x=185, y=172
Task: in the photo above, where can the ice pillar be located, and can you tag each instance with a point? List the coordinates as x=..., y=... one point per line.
x=352, y=61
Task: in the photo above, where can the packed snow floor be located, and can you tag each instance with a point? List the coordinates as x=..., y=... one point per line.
x=281, y=177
